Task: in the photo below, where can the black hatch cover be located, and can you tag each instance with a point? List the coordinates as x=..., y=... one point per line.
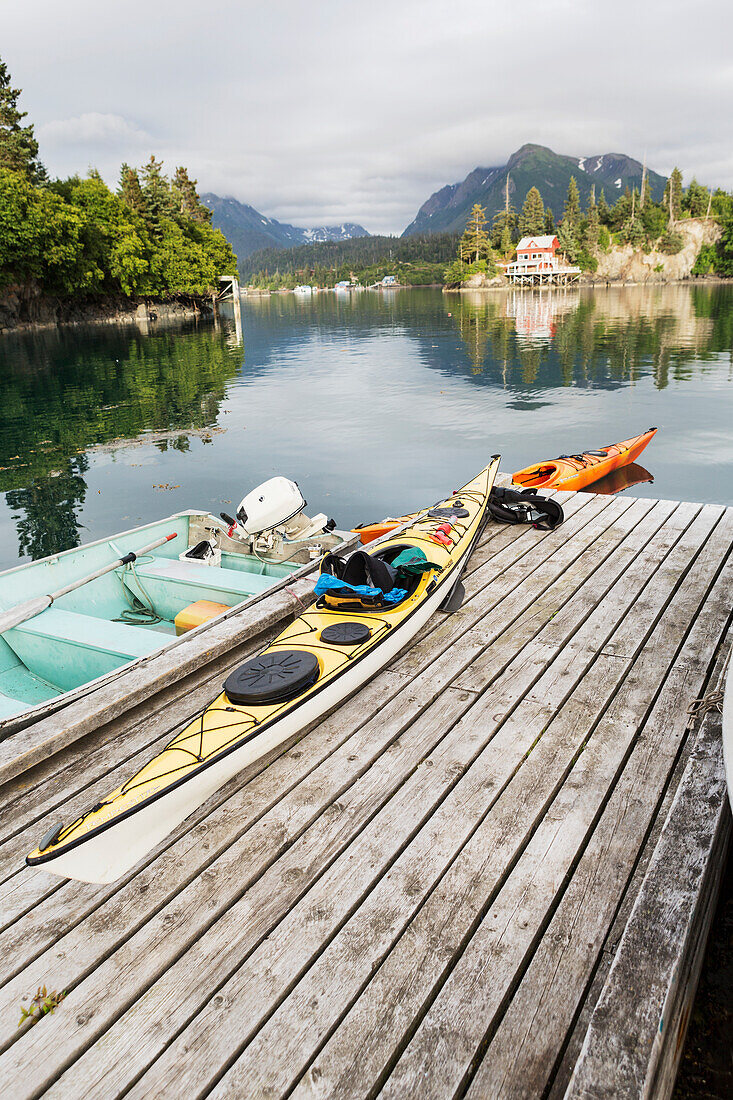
x=448, y=513
x=346, y=634
x=272, y=677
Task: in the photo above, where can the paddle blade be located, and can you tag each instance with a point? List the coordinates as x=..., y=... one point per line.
x=454, y=599
x=23, y=612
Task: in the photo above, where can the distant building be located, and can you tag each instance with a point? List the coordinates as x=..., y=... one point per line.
x=538, y=262
x=389, y=280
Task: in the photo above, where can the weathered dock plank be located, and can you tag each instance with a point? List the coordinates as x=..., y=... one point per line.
x=236, y=1002
x=664, y=939
x=441, y=888
x=378, y=734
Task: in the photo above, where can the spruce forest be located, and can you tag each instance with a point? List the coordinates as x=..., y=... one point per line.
x=75, y=237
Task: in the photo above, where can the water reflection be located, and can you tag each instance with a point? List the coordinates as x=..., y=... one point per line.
x=373, y=402
x=564, y=337
x=618, y=480
x=47, y=511
x=64, y=391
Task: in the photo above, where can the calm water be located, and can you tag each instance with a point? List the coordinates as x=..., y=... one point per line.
x=374, y=403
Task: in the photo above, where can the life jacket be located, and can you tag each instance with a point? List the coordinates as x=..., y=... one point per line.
x=359, y=571
x=524, y=506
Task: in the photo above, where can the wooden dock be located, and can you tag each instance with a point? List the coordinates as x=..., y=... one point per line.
x=489, y=874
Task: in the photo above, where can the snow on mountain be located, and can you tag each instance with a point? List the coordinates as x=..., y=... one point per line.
x=531, y=166
x=249, y=230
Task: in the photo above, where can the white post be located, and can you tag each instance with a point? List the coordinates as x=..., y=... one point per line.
x=236, y=298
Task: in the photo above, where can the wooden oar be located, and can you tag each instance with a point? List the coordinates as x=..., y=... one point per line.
x=30, y=608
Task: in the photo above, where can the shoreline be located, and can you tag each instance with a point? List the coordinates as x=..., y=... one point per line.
x=21, y=312
x=591, y=283
x=148, y=313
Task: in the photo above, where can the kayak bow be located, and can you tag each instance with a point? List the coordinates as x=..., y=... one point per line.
x=574, y=472
x=325, y=655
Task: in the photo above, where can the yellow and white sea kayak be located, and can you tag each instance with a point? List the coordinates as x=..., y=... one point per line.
x=313, y=665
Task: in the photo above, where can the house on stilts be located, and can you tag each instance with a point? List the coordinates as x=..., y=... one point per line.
x=538, y=263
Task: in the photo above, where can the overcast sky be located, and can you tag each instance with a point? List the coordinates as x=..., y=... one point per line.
x=332, y=110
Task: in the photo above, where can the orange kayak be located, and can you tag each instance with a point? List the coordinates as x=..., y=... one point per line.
x=566, y=472
x=578, y=470
x=367, y=532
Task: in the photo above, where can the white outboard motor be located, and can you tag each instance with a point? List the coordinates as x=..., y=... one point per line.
x=272, y=516
x=270, y=505
x=270, y=524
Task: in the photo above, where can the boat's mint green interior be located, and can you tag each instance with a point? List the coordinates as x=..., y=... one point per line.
x=77, y=640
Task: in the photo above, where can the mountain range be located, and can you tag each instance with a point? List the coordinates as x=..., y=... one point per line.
x=248, y=230
x=447, y=210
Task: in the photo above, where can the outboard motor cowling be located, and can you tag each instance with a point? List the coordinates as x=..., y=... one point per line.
x=270, y=505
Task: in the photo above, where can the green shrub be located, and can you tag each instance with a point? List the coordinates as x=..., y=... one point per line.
x=707, y=262
x=586, y=260
x=458, y=272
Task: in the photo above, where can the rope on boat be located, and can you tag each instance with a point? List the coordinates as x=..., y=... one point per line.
x=138, y=613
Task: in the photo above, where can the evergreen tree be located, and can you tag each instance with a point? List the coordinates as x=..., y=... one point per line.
x=568, y=240
x=18, y=146
x=591, y=230
x=696, y=199
x=157, y=198
x=532, y=218
x=185, y=197
x=621, y=209
x=130, y=190
x=571, y=212
x=604, y=210
x=632, y=232
x=549, y=224
x=654, y=217
x=673, y=195
x=506, y=244
x=504, y=221
x=475, y=244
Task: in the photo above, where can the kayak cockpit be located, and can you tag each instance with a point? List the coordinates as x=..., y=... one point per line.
x=535, y=476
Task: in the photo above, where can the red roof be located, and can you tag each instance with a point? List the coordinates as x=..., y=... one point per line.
x=548, y=243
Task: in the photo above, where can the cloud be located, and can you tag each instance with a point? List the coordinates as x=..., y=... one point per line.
x=337, y=111
x=93, y=129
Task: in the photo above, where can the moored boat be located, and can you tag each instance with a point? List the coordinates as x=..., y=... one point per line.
x=370, y=607
x=575, y=471
x=203, y=568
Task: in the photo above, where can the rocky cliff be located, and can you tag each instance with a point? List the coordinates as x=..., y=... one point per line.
x=623, y=263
